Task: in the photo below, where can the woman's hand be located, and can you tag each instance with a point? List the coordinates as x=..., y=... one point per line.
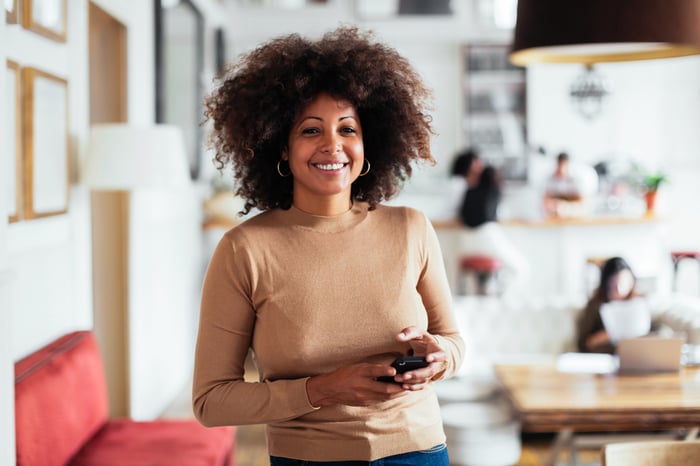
x=423, y=344
x=354, y=385
x=357, y=385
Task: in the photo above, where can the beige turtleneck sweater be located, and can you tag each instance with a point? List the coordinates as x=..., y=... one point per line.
x=308, y=295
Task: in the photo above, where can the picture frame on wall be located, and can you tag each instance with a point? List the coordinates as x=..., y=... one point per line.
x=45, y=144
x=46, y=17
x=12, y=142
x=11, y=11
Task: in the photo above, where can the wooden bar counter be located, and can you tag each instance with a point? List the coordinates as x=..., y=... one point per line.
x=557, y=222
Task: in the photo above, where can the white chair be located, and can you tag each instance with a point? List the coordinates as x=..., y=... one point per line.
x=665, y=453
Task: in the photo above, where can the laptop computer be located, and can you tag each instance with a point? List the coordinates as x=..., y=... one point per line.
x=649, y=354
x=627, y=318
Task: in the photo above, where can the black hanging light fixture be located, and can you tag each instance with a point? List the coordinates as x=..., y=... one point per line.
x=588, y=93
x=588, y=32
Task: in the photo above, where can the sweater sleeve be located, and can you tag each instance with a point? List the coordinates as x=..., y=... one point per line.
x=437, y=299
x=220, y=395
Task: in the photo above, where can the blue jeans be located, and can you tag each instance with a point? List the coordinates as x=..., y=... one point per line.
x=436, y=456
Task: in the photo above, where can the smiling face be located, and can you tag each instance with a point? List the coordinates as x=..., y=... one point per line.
x=325, y=154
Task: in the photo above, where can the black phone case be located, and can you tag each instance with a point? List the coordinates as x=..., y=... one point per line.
x=404, y=364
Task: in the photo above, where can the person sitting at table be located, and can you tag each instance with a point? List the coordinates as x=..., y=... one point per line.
x=563, y=193
x=617, y=282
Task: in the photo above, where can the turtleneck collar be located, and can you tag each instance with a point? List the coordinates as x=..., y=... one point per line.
x=328, y=224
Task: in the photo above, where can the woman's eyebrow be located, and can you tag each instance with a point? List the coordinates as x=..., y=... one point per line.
x=313, y=117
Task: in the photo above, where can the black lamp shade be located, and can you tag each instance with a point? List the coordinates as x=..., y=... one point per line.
x=673, y=26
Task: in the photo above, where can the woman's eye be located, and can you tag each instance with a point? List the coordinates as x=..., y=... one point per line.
x=309, y=131
x=348, y=130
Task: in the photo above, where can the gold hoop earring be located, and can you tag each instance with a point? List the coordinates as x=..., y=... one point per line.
x=280, y=171
x=368, y=168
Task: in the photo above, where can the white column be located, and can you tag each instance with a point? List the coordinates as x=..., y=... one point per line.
x=7, y=375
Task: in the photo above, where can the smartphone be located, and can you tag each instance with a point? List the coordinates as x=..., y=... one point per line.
x=404, y=364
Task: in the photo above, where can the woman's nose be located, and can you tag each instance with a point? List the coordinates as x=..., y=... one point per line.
x=331, y=144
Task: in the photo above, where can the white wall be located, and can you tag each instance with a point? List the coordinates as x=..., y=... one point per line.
x=48, y=251
x=7, y=405
x=652, y=117
x=7, y=425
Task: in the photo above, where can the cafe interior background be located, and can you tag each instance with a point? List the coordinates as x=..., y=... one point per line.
x=124, y=253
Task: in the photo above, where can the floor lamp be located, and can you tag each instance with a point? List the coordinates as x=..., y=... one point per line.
x=122, y=158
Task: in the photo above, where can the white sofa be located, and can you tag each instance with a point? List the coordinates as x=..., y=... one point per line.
x=511, y=329
x=680, y=313
x=497, y=329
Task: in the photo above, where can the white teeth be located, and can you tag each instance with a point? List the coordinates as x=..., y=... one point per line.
x=330, y=166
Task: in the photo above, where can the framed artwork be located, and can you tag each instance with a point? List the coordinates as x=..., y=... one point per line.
x=12, y=144
x=11, y=11
x=45, y=17
x=45, y=144
x=179, y=43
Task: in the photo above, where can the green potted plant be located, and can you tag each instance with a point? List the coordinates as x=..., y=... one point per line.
x=650, y=184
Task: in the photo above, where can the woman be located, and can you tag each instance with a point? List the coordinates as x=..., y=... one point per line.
x=483, y=234
x=464, y=173
x=480, y=203
x=617, y=282
x=326, y=286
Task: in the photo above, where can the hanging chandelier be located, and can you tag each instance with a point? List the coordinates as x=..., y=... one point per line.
x=588, y=32
x=589, y=92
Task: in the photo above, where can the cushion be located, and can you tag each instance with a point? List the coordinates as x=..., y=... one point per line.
x=124, y=442
x=480, y=263
x=60, y=400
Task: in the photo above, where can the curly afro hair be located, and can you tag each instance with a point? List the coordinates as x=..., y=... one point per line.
x=257, y=99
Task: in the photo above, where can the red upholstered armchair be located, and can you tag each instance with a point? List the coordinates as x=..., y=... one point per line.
x=61, y=417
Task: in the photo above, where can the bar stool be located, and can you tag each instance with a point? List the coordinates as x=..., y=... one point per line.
x=677, y=257
x=486, y=271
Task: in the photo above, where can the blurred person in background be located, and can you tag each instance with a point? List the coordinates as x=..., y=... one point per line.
x=478, y=214
x=617, y=283
x=562, y=193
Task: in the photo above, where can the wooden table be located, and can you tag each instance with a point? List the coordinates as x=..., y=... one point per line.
x=552, y=401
